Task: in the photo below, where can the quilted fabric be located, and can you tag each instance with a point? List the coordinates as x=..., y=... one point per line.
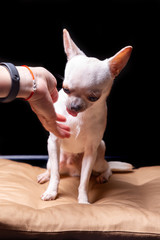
x=127, y=206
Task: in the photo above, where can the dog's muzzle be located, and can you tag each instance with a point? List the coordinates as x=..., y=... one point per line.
x=76, y=106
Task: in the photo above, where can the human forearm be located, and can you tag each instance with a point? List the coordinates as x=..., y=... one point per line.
x=26, y=82
x=5, y=82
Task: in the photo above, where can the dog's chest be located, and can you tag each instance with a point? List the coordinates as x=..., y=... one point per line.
x=76, y=142
x=77, y=128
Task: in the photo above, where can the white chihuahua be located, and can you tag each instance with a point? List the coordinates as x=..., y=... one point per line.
x=82, y=101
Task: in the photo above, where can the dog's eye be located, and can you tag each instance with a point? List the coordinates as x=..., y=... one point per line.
x=93, y=98
x=66, y=90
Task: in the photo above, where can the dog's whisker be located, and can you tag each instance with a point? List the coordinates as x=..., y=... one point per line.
x=59, y=76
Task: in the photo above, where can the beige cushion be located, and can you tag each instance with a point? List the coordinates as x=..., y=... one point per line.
x=127, y=206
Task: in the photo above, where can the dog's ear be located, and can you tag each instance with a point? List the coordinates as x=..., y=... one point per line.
x=119, y=60
x=70, y=47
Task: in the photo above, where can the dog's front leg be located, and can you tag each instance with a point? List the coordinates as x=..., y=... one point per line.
x=53, y=151
x=86, y=170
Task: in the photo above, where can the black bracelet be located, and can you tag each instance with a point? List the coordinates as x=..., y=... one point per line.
x=15, y=82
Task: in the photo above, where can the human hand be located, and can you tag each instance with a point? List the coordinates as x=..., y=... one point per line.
x=42, y=101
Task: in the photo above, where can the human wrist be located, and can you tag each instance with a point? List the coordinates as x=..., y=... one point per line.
x=26, y=82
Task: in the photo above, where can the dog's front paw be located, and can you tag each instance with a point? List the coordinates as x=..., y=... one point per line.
x=82, y=201
x=47, y=196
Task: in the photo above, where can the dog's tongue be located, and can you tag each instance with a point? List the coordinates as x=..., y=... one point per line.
x=72, y=112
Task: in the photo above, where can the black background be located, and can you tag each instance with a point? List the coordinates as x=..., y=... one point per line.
x=31, y=33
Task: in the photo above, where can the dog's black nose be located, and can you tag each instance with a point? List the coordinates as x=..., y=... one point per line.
x=75, y=107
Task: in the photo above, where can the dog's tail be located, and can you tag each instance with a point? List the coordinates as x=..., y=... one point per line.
x=120, y=166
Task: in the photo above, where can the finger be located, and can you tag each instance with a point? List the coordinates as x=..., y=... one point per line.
x=60, y=118
x=63, y=133
x=63, y=127
x=59, y=130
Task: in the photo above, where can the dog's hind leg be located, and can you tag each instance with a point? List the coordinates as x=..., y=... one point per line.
x=101, y=166
x=44, y=177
